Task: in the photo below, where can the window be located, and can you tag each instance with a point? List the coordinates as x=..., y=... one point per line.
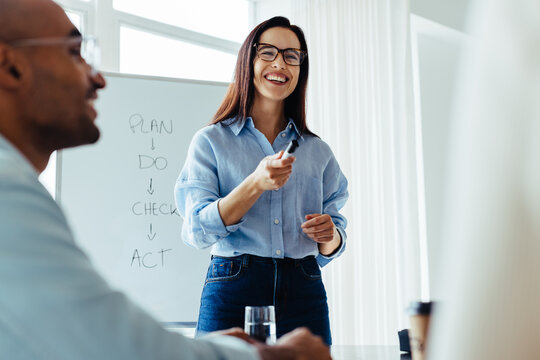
x=76, y=19
x=145, y=53
x=226, y=19
x=163, y=37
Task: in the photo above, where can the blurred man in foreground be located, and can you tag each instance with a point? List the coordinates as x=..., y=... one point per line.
x=493, y=218
x=53, y=305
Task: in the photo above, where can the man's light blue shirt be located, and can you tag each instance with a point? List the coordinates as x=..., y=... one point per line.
x=221, y=156
x=54, y=305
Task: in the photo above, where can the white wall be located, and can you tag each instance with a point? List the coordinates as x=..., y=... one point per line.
x=265, y=9
x=436, y=51
x=451, y=13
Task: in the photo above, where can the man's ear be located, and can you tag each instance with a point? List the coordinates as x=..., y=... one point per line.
x=10, y=69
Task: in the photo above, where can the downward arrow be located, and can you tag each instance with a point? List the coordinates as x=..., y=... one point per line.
x=153, y=147
x=150, y=189
x=152, y=234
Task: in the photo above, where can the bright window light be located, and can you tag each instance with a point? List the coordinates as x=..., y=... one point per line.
x=48, y=176
x=148, y=54
x=224, y=19
x=75, y=18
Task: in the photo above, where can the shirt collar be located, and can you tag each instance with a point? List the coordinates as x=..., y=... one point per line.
x=292, y=125
x=238, y=125
x=6, y=145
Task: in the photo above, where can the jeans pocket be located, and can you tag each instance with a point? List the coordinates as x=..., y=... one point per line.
x=224, y=269
x=311, y=269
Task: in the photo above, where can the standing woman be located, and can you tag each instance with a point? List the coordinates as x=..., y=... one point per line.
x=271, y=222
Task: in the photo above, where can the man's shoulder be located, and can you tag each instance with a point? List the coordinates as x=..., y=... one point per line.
x=25, y=201
x=11, y=169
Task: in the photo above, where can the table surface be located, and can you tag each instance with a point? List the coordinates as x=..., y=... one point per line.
x=351, y=352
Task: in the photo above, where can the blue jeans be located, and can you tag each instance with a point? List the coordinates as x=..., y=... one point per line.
x=293, y=286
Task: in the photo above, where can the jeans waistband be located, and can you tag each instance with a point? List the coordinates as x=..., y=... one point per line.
x=248, y=258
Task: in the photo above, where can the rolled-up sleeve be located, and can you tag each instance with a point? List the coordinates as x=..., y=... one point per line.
x=197, y=196
x=335, y=196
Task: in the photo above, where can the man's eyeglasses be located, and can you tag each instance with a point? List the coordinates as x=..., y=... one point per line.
x=86, y=47
x=268, y=52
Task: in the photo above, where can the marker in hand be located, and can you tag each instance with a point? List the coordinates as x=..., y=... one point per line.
x=290, y=149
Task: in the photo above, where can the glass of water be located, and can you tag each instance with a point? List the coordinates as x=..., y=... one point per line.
x=260, y=323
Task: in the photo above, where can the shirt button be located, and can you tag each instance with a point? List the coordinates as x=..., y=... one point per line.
x=276, y=221
x=290, y=126
x=278, y=252
x=283, y=135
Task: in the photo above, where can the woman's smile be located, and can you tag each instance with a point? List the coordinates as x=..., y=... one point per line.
x=276, y=78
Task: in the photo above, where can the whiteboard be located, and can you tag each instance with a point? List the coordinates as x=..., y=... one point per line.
x=118, y=193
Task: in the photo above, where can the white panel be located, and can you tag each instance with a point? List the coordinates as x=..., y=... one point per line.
x=147, y=125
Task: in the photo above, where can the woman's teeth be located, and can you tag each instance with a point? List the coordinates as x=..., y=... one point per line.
x=276, y=78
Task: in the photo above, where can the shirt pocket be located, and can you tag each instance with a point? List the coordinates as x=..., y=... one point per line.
x=309, y=199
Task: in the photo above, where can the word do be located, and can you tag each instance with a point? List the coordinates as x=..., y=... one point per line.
x=146, y=162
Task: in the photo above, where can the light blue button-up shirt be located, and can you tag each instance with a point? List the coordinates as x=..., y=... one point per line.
x=221, y=156
x=54, y=305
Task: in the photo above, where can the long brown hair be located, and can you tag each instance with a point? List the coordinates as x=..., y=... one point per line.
x=241, y=92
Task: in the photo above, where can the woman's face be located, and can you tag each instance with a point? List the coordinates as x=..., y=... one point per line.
x=276, y=80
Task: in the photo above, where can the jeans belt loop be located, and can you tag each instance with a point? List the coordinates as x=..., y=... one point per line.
x=245, y=261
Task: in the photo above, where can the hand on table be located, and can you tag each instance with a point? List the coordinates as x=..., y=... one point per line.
x=299, y=344
x=235, y=332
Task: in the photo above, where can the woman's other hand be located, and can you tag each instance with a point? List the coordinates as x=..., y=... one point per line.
x=321, y=229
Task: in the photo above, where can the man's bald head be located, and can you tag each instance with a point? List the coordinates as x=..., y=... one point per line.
x=20, y=19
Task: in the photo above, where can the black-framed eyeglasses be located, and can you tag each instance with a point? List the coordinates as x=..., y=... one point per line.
x=87, y=47
x=291, y=56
